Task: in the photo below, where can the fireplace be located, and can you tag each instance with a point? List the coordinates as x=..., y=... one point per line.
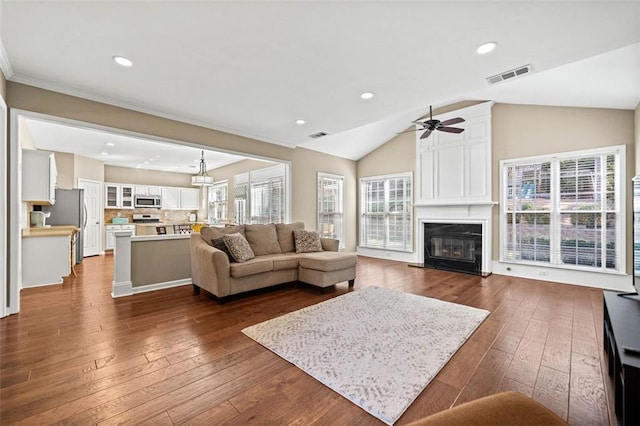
x=453, y=247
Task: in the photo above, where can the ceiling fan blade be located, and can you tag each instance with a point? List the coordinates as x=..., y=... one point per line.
x=408, y=131
x=450, y=129
x=425, y=134
x=452, y=121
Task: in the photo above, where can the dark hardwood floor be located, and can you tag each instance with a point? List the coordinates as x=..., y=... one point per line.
x=74, y=355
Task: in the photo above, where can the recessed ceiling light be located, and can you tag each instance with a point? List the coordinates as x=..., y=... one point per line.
x=157, y=155
x=366, y=95
x=110, y=144
x=104, y=153
x=121, y=60
x=300, y=122
x=486, y=47
x=146, y=162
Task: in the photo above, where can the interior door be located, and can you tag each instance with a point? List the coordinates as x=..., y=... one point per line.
x=93, y=216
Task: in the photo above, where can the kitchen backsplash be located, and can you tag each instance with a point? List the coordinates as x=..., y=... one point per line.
x=172, y=216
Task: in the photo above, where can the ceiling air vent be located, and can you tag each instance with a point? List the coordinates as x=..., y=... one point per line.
x=516, y=72
x=317, y=135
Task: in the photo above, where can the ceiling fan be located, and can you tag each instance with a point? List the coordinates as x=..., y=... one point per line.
x=442, y=126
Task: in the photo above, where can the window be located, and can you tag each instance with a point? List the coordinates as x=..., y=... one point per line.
x=260, y=196
x=564, y=210
x=331, y=207
x=218, y=199
x=386, y=212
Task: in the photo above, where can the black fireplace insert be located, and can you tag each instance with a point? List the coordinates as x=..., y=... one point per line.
x=453, y=247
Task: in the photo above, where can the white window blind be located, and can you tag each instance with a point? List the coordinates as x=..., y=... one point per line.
x=218, y=202
x=386, y=212
x=331, y=206
x=564, y=210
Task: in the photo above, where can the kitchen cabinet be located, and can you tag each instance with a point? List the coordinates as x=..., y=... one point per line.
x=46, y=257
x=170, y=198
x=110, y=233
x=118, y=196
x=147, y=190
x=39, y=177
x=189, y=198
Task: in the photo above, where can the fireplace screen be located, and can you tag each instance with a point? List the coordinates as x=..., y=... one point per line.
x=453, y=248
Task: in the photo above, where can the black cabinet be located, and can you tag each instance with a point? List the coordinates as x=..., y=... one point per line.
x=622, y=329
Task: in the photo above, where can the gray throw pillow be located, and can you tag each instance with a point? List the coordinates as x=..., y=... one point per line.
x=238, y=247
x=220, y=245
x=306, y=241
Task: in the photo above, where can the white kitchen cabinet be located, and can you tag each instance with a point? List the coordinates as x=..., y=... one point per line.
x=45, y=259
x=170, y=198
x=189, y=198
x=110, y=233
x=147, y=190
x=118, y=196
x=39, y=176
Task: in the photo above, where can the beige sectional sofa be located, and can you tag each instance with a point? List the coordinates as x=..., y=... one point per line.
x=276, y=260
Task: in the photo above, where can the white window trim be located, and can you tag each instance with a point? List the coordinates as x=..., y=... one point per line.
x=342, y=203
x=220, y=183
x=621, y=191
x=411, y=214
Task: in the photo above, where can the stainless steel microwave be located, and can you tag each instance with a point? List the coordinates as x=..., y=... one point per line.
x=147, y=201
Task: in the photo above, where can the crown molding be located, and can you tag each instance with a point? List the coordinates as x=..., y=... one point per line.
x=5, y=65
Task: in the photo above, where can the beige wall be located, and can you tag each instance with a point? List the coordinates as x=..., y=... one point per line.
x=66, y=170
x=145, y=177
x=87, y=168
x=637, y=144
x=528, y=130
x=305, y=163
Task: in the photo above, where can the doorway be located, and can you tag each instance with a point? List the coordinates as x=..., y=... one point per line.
x=92, y=216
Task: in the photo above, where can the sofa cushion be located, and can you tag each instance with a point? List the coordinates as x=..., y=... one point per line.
x=220, y=245
x=238, y=247
x=209, y=233
x=283, y=261
x=285, y=235
x=306, y=241
x=250, y=267
x=263, y=239
x=328, y=261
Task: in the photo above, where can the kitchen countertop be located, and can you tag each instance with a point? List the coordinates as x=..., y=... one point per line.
x=50, y=231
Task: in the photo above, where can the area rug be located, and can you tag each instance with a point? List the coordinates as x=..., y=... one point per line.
x=377, y=347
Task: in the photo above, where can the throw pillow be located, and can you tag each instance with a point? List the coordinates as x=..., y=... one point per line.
x=220, y=245
x=238, y=247
x=306, y=241
x=208, y=233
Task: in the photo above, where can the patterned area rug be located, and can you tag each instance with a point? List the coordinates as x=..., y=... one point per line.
x=377, y=347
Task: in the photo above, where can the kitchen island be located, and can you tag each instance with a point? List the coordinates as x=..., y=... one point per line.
x=48, y=254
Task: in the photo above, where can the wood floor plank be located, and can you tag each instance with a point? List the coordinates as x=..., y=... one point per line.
x=169, y=357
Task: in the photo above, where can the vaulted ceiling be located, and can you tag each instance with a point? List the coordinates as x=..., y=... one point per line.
x=254, y=68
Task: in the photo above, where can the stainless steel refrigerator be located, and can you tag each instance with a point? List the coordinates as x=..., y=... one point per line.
x=70, y=209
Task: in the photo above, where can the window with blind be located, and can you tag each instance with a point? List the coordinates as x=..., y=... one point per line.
x=331, y=206
x=260, y=196
x=564, y=210
x=386, y=212
x=218, y=202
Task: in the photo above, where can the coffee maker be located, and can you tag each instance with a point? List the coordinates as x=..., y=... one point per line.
x=38, y=219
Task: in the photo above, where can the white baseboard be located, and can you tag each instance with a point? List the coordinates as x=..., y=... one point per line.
x=401, y=256
x=161, y=286
x=606, y=281
x=121, y=289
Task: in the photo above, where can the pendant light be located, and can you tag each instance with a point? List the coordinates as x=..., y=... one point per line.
x=202, y=178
